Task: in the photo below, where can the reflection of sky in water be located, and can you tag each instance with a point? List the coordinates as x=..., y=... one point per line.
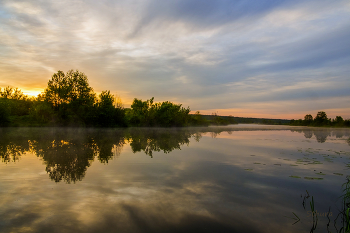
x=236, y=181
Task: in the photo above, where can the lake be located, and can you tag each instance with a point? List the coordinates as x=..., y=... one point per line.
x=239, y=178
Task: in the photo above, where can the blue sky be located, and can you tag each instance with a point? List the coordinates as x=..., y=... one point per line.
x=279, y=59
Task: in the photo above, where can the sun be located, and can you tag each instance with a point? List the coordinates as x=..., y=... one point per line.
x=31, y=93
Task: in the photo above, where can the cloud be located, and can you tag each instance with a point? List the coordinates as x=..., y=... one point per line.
x=200, y=53
x=202, y=15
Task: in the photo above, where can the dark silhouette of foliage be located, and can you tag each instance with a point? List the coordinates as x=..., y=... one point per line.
x=338, y=121
x=321, y=119
x=165, y=114
x=308, y=119
x=107, y=114
x=140, y=113
x=15, y=102
x=4, y=114
x=42, y=112
x=71, y=96
x=217, y=120
x=169, y=114
x=70, y=88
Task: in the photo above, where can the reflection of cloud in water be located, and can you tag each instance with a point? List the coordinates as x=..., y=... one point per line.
x=200, y=199
x=202, y=188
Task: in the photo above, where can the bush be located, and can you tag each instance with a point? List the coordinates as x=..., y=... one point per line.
x=165, y=114
x=42, y=112
x=4, y=114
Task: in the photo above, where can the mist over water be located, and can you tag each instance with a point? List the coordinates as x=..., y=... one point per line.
x=241, y=178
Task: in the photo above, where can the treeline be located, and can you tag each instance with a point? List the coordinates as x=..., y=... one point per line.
x=321, y=119
x=68, y=100
x=247, y=120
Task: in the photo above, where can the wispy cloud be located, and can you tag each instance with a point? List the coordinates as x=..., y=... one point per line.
x=204, y=54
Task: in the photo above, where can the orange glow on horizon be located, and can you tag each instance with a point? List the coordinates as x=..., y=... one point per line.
x=331, y=113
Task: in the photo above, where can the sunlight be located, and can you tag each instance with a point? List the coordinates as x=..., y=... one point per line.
x=32, y=93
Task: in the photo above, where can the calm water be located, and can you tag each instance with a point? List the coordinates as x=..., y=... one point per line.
x=244, y=178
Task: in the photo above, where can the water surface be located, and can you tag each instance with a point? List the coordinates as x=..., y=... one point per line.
x=245, y=178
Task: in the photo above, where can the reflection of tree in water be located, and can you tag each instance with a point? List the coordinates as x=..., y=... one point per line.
x=321, y=135
x=108, y=144
x=308, y=134
x=65, y=159
x=12, y=150
x=167, y=139
x=150, y=140
x=213, y=134
x=338, y=134
x=67, y=153
x=197, y=136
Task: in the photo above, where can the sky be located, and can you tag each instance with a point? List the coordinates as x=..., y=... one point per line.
x=267, y=58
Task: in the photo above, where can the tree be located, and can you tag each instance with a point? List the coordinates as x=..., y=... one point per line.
x=308, y=119
x=57, y=89
x=42, y=112
x=338, y=121
x=140, y=114
x=18, y=104
x=4, y=114
x=109, y=111
x=198, y=120
x=10, y=93
x=165, y=114
x=72, y=87
x=169, y=114
x=321, y=119
x=70, y=95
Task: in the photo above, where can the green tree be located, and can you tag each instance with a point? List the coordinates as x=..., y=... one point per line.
x=18, y=104
x=57, y=89
x=165, y=114
x=321, y=119
x=308, y=119
x=42, y=112
x=4, y=113
x=198, y=120
x=217, y=120
x=12, y=93
x=140, y=114
x=109, y=111
x=231, y=119
x=338, y=121
x=71, y=96
x=168, y=114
